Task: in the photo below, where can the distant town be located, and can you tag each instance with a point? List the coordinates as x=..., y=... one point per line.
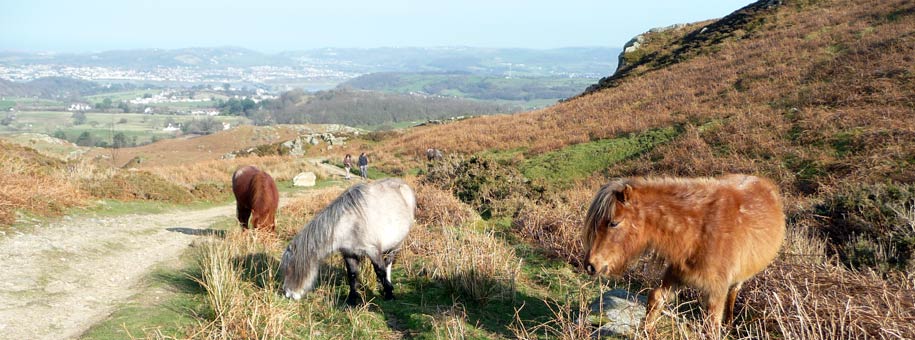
x=179, y=74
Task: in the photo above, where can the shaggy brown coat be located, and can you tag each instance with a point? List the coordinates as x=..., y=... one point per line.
x=714, y=233
x=255, y=191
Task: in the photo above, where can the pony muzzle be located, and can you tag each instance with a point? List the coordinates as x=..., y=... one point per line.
x=589, y=269
x=293, y=295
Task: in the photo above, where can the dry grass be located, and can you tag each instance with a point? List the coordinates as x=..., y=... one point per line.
x=281, y=168
x=556, y=225
x=473, y=263
x=46, y=186
x=34, y=183
x=827, y=302
x=242, y=287
x=566, y=322
x=172, y=152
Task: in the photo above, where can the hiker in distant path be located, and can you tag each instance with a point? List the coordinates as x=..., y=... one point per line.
x=347, y=164
x=364, y=165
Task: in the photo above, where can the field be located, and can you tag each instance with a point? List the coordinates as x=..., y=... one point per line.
x=24, y=103
x=104, y=125
x=527, y=92
x=117, y=97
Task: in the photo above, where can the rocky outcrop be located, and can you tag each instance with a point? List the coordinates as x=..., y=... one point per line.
x=635, y=43
x=698, y=39
x=295, y=147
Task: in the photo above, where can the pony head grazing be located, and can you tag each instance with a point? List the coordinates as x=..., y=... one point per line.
x=612, y=235
x=315, y=241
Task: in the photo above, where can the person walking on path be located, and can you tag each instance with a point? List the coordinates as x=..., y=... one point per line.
x=364, y=165
x=348, y=165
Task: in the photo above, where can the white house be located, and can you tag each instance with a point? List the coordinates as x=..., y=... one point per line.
x=172, y=128
x=79, y=107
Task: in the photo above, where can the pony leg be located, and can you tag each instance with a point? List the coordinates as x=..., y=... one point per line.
x=715, y=302
x=729, y=305
x=657, y=297
x=265, y=221
x=243, y=215
x=352, y=274
x=382, y=264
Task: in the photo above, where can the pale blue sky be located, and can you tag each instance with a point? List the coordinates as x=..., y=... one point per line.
x=278, y=25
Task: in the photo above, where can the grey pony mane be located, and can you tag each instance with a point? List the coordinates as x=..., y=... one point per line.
x=315, y=241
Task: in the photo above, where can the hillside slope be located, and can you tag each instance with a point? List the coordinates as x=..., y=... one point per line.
x=371, y=108
x=210, y=147
x=817, y=95
x=50, y=87
x=826, y=85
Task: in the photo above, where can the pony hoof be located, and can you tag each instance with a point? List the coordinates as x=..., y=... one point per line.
x=388, y=297
x=294, y=296
x=353, y=300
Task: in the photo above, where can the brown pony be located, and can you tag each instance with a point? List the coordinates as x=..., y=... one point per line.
x=255, y=191
x=714, y=234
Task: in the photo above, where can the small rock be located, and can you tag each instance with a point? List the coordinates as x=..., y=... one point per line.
x=304, y=179
x=618, y=313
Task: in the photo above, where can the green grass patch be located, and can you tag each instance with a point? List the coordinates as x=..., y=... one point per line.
x=505, y=156
x=117, y=207
x=117, y=97
x=286, y=186
x=160, y=307
x=562, y=167
x=25, y=103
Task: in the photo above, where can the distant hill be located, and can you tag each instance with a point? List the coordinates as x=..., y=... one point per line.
x=577, y=62
x=52, y=87
x=464, y=84
x=371, y=108
x=144, y=59
x=573, y=61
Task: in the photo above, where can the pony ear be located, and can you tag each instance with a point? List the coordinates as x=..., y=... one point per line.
x=623, y=196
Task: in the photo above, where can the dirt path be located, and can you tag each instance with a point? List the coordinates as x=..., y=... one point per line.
x=332, y=170
x=59, y=279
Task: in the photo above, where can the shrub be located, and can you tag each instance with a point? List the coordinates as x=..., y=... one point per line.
x=871, y=226
x=490, y=187
x=555, y=224
x=211, y=191
x=128, y=185
x=34, y=183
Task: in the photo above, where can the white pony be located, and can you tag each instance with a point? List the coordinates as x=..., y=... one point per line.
x=367, y=220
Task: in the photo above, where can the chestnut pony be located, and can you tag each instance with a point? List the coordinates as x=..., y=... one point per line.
x=713, y=233
x=255, y=192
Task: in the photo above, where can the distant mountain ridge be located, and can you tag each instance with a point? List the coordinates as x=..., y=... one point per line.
x=468, y=85
x=565, y=61
x=51, y=87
